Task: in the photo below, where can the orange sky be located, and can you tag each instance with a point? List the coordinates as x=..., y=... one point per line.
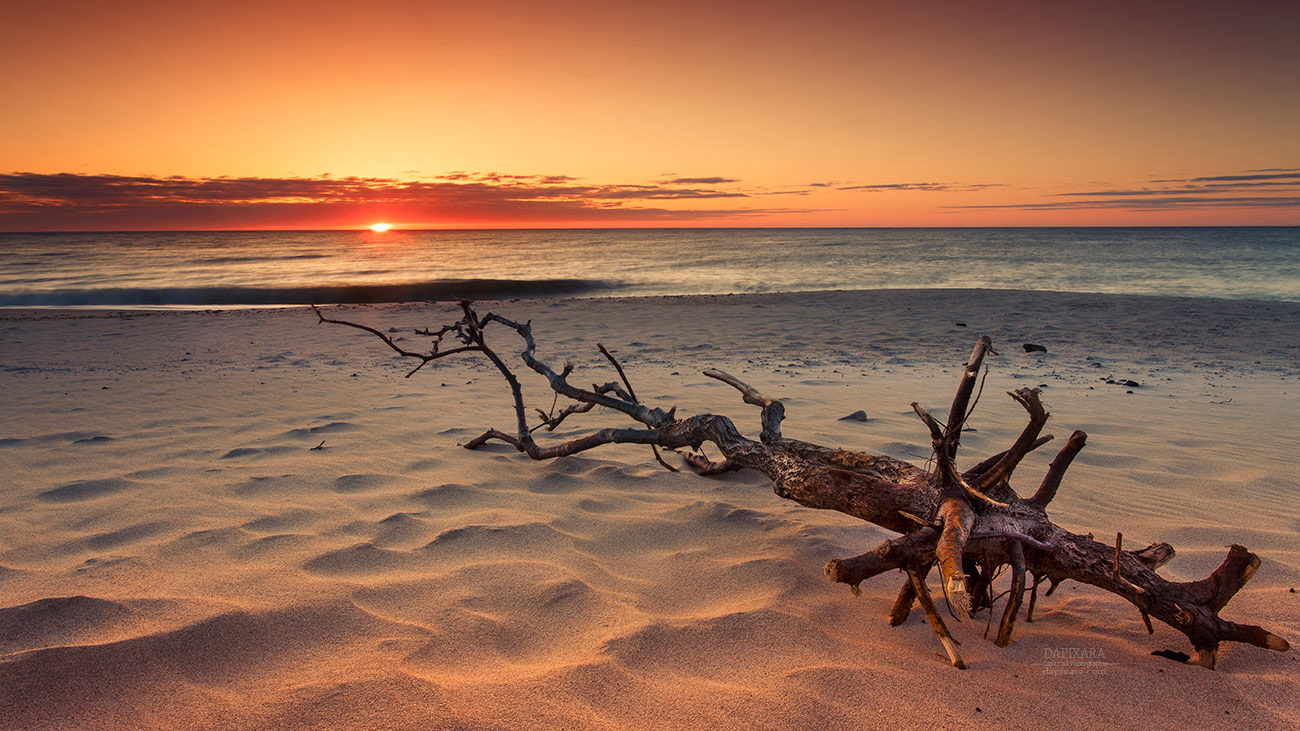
x=264, y=114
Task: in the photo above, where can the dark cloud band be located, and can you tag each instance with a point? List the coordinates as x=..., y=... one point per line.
x=36, y=200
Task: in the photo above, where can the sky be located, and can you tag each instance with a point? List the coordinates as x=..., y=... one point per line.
x=508, y=114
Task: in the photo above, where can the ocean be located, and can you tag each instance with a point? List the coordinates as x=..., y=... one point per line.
x=239, y=269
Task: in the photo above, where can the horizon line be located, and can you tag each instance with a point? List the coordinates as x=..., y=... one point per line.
x=366, y=229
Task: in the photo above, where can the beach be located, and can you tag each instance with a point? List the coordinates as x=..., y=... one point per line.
x=246, y=519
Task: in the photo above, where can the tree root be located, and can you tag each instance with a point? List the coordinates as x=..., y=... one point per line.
x=970, y=524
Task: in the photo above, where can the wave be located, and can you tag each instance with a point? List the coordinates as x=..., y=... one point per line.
x=442, y=289
x=251, y=259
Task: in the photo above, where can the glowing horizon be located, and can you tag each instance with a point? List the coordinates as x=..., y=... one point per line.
x=581, y=114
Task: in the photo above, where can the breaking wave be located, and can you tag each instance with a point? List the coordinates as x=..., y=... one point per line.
x=443, y=289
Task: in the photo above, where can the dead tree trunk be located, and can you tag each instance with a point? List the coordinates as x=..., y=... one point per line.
x=970, y=524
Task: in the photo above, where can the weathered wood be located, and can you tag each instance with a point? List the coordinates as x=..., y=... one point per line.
x=1052, y=480
x=1025, y=443
x=903, y=604
x=1015, y=596
x=936, y=620
x=960, y=522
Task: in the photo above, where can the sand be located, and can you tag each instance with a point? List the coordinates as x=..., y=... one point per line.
x=174, y=553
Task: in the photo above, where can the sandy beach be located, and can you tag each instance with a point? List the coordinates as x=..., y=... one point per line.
x=244, y=519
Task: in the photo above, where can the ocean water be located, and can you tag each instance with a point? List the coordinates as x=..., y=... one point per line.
x=225, y=269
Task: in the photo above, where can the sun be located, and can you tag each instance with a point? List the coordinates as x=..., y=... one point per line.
x=379, y=227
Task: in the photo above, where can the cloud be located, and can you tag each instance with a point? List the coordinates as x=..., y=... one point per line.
x=1199, y=193
x=633, y=192
x=1217, y=189
x=897, y=186
x=1253, y=176
x=1149, y=204
x=1278, y=176
x=30, y=201
x=946, y=187
x=699, y=181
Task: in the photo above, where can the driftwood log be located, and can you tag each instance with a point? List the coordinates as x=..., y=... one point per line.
x=969, y=524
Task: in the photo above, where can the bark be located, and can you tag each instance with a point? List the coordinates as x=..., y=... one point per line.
x=968, y=524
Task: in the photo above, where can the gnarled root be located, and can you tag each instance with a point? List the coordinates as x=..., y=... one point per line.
x=969, y=524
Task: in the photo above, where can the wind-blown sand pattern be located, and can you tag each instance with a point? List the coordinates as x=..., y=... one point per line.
x=174, y=552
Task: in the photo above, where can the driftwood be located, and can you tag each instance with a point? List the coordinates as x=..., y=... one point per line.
x=969, y=524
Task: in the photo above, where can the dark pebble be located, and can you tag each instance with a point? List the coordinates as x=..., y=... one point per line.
x=1033, y=348
x=855, y=416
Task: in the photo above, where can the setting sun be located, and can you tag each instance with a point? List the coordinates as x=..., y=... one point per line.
x=379, y=227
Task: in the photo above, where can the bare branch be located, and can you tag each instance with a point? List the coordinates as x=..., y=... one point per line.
x=549, y=423
x=936, y=621
x=957, y=412
x=1052, y=481
x=659, y=458
x=974, y=472
x=631, y=394
x=936, y=431
x=903, y=604
x=773, y=410
x=653, y=418
x=1017, y=595
x=1024, y=444
x=424, y=358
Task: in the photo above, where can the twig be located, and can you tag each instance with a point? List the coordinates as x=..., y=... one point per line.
x=424, y=358
x=621, y=374
x=978, y=392
x=631, y=394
